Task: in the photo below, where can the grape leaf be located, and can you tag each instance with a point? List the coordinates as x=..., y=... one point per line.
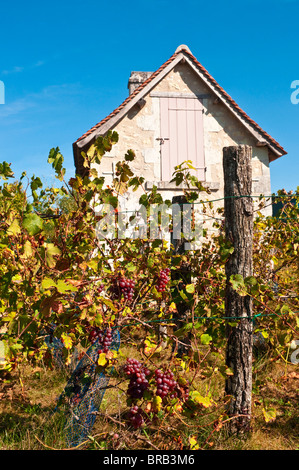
x=33, y=223
x=193, y=443
x=205, y=339
x=27, y=249
x=51, y=251
x=269, y=415
x=14, y=228
x=102, y=359
x=63, y=287
x=67, y=341
x=190, y=288
x=206, y=402
x=157, y=404
x=47, y=283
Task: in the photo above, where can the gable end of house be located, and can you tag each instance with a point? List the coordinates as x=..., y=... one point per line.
x=142, y=84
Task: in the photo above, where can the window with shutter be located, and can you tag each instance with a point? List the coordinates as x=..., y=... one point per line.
x=181, y=135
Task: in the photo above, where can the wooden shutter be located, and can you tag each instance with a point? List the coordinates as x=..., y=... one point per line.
x=182, y=127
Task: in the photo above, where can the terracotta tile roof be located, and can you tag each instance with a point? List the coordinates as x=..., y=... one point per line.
x=209, y=78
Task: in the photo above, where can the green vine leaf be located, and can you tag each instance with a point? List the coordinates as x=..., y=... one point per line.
x=51, y=252
x=205, y=339
x=33, y=223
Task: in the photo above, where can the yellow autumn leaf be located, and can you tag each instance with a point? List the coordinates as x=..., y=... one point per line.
x=184, y=366
x=120, y=186
x=102, y=359
x=206, y=401
x=14, y=228
x=127, y=311
x=151, y=347
x=148, y=350
x=156, y=404
x=67, y=341
x=28, y=252
x=269, y=415
x=91, y=151
x=193, y=443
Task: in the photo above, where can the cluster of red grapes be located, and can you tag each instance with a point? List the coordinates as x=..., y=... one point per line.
x=163, y=279
x=135, y=417
x=123, y=286
x=166, y=384
x=138, y=381
x=100, y=288
x=103, y=337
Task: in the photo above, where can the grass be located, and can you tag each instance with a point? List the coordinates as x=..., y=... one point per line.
x=28, y=397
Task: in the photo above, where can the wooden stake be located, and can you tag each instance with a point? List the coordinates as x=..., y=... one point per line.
x=238, y=211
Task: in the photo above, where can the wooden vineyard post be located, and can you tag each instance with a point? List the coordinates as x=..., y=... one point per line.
x=238, y=212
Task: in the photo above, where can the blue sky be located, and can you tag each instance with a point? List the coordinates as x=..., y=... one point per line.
x=65, y=66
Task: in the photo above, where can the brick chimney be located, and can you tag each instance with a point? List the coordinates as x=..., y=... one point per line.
x=136, y=78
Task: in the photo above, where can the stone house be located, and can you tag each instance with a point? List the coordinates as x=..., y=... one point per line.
x=174, y=114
